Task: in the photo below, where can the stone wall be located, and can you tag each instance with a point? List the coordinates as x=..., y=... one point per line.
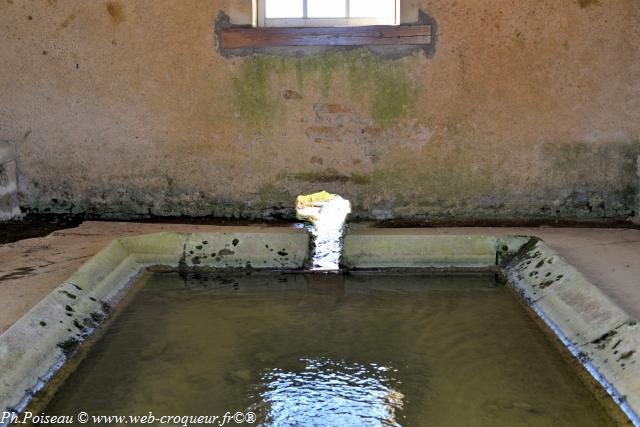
x=126, y=108
x=9, y=208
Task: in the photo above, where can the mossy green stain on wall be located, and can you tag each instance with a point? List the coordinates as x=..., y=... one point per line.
x=393, y=96
x=252, y=87
x=270, y=195
x=385, y=87
x=599, y=180
x=319, y=70
x=585, y=166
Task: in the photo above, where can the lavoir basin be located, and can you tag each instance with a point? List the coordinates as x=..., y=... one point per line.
x=330, y=350
x=442, y=331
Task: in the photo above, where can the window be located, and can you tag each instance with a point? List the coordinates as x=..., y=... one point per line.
x=325, y=13
x=293, y=23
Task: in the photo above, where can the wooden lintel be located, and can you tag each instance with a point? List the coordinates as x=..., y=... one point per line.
x=243, y=37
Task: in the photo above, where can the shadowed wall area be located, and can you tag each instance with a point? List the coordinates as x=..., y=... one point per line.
x=126, y=108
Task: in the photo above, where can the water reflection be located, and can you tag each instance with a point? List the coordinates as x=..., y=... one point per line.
x=330, y=393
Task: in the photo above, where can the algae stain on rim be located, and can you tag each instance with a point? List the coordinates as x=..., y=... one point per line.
x=326, y=214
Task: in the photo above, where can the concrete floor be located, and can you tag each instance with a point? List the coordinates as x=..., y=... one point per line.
x=31, y=268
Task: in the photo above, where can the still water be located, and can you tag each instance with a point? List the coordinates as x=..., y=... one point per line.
x=330, y=350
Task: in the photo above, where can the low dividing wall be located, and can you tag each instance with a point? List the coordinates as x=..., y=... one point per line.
x=412, y=248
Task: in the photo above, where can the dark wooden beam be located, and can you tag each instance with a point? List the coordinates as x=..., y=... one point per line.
x=242, y=37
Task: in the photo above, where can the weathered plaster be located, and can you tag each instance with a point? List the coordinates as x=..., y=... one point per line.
x=126, y=108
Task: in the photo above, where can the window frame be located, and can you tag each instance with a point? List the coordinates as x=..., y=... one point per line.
x=261, y=21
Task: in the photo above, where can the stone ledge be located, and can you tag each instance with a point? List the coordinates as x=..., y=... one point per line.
x=37, y=345
x=411, y=248
x=603, y=337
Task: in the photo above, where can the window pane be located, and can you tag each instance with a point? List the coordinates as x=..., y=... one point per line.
x=326, y=8
x=372, y=8
x=283, y=8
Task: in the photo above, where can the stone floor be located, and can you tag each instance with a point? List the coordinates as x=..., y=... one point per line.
x=31, y=268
